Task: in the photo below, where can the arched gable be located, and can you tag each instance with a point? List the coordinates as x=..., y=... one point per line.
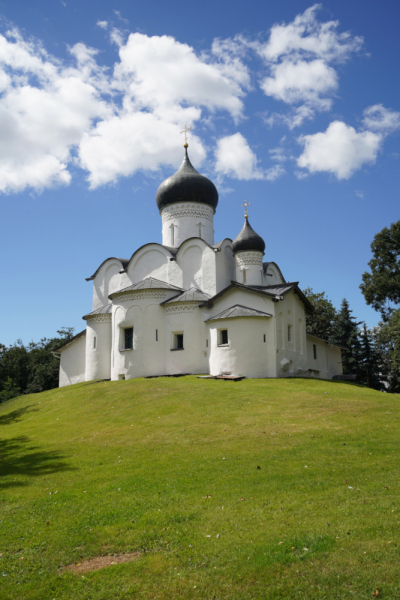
x=271, y=268
x=196, y=259
x=106, y=280
x=151, y=260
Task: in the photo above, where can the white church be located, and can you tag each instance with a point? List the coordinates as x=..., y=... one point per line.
x=190, y=305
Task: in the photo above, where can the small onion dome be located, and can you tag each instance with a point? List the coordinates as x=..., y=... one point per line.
x=187, y=185
x=248, y=239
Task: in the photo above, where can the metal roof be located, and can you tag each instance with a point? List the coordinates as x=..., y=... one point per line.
x=124, y=262
x=248, y=239
x=191, y=295
x=147, y=284
x=104, y=310
x=187, y=185
x=238, y=310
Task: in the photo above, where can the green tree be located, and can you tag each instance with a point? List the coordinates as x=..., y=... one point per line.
x=321, y=322
x=369, y=360
x=346, y=334
x=9, y=390
x=388, y=343
x=381, y=287
x=31, y=368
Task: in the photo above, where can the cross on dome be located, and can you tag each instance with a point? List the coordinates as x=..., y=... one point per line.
x=185, y=145
x=245, y=205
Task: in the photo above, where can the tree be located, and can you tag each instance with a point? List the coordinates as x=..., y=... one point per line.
x=388, y=342
x=346, y=334
x=381, y=287
x=32, y=368
x=369, y=360
x=321, y=322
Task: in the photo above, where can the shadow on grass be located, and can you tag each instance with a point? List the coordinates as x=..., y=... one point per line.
x=16, y=415
x=21, y=462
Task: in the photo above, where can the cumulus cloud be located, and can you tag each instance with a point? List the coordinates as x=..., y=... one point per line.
x=236, y=159
x=299, y=58
x=381, y=119
x=109, y=122
x=274, y=172
x=340, y=150
x=102, y=24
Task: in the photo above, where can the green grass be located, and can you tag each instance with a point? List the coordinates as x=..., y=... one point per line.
x=114, y=467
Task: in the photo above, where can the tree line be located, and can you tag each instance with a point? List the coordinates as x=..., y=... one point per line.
x=32, y=368
x=371, y=354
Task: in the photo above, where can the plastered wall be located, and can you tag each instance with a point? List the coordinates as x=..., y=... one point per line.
x=72, y=362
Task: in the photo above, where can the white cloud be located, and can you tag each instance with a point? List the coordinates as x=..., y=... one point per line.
x=340, y=150
x=274, y=172
x=116, y=122
x=236, y=159
x=308, y=37
x=130, y=142
x=301, y=81
x=159, y=71
x=41, y=123
x=298, y=57
x=102, y=24
x=381, y=119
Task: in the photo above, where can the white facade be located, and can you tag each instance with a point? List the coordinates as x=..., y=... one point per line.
x=191, y=306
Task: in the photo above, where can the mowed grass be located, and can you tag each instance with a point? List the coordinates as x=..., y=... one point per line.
x=272, y=489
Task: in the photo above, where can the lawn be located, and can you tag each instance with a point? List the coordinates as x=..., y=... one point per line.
x=267, y=489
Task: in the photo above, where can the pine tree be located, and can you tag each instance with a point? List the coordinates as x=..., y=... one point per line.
x=370, y=371
x=346, y=335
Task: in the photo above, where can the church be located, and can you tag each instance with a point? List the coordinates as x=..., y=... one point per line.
x=190, y=305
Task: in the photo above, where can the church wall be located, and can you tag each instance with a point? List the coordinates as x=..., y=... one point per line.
x=107, y=280
x=249, y=268
x=291, y=355
x=72, y=362
x=149, y=262
x=142, y=311
x=195, y=266
x=245, y=298
x=98, y=348
x=246, y=352
x=272, y=276
x=184, y=220
x=225, y=266
x=186, y=318
x=328, y=360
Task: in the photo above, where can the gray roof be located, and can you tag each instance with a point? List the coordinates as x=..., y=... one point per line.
x=273, y=291
x=124, y=262
x=248, y=239
x=191, y=295
x=187, y=185
x=147, y=284
x=104, y=310
x=239, y=311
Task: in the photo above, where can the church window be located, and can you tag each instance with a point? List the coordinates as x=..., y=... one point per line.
x=223, y=337
x=177, y=341
x=156, y=335
x=314, y=347
x=94, y=343
x=265, y=338
x=172, y=228
x=128, y=335
x=200, y=225
x=206, y=343
x=289, y=333
x=244, y=275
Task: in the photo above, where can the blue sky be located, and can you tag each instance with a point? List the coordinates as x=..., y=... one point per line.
x=294, y=106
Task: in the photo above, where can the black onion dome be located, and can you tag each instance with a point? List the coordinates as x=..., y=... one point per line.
x=248, y=239
x=187, y=185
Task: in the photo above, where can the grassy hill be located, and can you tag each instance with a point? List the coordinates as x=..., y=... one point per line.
x=273, y=489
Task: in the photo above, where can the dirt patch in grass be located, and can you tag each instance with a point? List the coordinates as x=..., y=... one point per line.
x=100, y=562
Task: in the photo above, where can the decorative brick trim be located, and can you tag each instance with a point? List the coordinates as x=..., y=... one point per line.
x=140, y=295
x=249, y=258
x=187, y=210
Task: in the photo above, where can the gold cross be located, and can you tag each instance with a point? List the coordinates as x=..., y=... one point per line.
x=245, y=205
x=185, y=131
